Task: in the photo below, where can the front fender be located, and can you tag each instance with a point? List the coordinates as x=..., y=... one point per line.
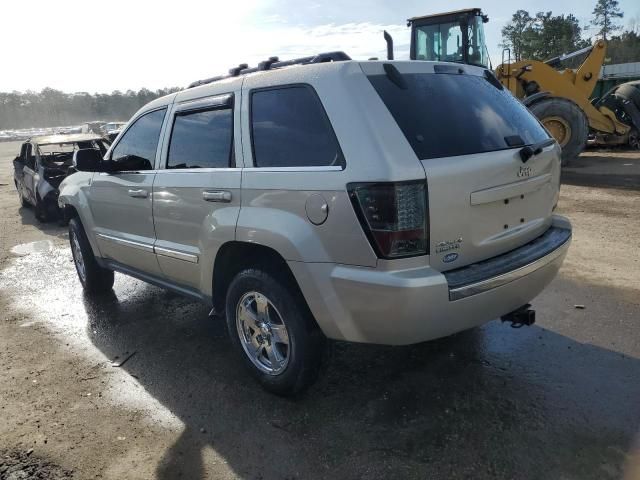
x=75, y=192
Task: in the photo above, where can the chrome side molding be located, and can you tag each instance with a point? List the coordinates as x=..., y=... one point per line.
x=165, y=252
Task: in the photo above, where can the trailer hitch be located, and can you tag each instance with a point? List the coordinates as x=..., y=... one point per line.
x=520, y=317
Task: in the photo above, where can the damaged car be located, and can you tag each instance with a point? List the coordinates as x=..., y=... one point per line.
x=43, y=163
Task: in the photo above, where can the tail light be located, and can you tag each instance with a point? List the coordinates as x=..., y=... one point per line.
x=393, y=216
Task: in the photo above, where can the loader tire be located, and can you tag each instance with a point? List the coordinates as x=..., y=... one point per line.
x=566, y=122
x=628, y=91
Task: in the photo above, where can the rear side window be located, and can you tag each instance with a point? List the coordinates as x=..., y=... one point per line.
x=444, y=115
x=136, y=150
x=290, y=128
x=201, y=139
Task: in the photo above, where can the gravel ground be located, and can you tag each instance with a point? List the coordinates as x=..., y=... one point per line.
x=559, y=400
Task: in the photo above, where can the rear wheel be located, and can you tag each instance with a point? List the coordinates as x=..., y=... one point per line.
x=273, y=331
x=93, y=277
x=566, y=122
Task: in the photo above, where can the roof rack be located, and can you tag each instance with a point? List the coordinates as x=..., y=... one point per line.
x=273, y=63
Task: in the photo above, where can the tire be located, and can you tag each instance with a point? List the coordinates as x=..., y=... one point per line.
x=21, y=199
x=273, y=331
x=566, y=122
x=40, y=210
x=628, y=91
x=93, y=277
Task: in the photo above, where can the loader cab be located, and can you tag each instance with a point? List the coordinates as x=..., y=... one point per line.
x=450, y=37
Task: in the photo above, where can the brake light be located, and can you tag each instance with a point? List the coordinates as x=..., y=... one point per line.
x=393, y=216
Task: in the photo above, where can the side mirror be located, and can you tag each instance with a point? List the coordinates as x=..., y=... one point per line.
x=87, y=160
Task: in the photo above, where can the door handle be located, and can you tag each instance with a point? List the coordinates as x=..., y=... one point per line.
x=216, y=196
x=141, y=193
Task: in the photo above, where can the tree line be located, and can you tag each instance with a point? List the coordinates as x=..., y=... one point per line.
x=52, y=108
x=543, y=36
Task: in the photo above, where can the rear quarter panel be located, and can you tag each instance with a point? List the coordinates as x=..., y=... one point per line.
x=273, y=200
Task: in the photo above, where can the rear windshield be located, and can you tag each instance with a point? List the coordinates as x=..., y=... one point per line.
x=444, y=115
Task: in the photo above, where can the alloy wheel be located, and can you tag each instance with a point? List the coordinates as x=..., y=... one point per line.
x=263, y=333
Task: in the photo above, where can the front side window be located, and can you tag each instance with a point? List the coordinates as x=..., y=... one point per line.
x=136, y=150
x=202, y=139
x=290, y=128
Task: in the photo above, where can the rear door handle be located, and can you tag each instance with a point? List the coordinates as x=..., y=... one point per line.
x=216, y=196
x=141, y=193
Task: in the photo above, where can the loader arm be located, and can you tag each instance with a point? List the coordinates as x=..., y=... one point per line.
x=527, y=77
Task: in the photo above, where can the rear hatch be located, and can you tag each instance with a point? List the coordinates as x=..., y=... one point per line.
x=467, y=132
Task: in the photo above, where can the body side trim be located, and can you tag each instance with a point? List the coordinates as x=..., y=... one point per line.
x=153, y=280
x=129, y=243
x=167, y=252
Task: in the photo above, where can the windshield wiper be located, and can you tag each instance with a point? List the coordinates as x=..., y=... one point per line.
x=532, y=150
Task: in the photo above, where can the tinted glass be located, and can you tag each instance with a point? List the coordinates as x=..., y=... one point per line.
x=291, y=129
x=137, y=148
x=201, y=140
x=443, y=115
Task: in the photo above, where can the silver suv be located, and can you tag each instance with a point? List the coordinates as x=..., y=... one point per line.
x=384, y=202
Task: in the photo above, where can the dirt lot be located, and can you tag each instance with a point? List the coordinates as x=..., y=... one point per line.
x=559, y=400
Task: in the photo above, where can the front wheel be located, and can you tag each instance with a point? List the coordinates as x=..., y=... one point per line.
x=566, y=122
x=40, y=210
x=273, y=331
x=21, y=199
x=93, y=277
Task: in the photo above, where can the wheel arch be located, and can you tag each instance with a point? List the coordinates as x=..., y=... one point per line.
x=69, y=212
x=235, y=256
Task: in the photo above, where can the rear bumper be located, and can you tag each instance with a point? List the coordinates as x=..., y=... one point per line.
x=412, y=305
x=497, y=271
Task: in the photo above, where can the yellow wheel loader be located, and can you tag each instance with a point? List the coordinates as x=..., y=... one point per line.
x=559, y=98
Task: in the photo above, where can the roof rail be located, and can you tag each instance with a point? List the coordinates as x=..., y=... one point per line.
x=273, y=63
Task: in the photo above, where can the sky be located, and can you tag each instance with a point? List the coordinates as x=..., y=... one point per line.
x=104, y=46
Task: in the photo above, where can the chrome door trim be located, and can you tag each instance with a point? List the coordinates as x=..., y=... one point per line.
x=320, y=168
x=128, y=243
x=224, y=100
x=499, y=280
x=166, y=252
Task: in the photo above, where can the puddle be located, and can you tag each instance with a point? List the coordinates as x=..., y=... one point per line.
x=41, y=246
x=42, y=283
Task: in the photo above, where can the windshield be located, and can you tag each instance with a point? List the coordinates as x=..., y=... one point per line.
x=445, y=42
x=62, y=153
x=444, y=115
